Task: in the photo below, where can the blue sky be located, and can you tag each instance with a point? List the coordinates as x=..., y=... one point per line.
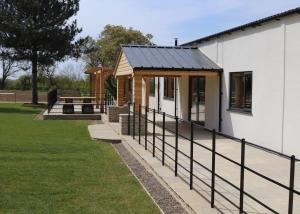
x=167, y=19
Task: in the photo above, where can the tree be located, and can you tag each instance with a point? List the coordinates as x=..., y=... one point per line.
x=48, y=72
x=39, y=31
x=104, y=51
x=8, y=67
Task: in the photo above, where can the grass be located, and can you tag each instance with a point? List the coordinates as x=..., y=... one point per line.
x=54, y=167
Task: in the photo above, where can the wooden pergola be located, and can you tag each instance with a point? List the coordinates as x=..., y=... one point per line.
x=98, y=76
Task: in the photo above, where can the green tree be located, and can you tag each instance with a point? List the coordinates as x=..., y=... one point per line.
x=107, y=47
x=105, y=50
x=39, y=31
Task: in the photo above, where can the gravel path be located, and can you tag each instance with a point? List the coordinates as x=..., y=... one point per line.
x=159, y=193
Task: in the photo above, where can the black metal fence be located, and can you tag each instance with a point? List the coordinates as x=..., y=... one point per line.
x=161, y=154
x=51, y=99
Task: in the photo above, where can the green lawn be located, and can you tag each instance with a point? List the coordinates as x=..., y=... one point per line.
x=54, y=167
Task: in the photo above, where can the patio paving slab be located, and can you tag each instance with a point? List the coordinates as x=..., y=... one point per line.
x=103, y=132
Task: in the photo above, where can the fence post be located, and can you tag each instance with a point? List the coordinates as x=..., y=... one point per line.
x=176, y=146
x=292, y=182
x=133, y=122
x=242, y=176
x=139, y=123
x=153, y=142
x=146, y=126
x=192, y=156
x=129, y=119
x=213, y=169
x=163, y=139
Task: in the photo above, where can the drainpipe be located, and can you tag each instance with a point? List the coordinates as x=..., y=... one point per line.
x=175, y=97
x=175, y=114
x=220, y=99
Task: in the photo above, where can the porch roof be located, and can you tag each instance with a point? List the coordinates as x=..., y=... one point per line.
x=163, y=58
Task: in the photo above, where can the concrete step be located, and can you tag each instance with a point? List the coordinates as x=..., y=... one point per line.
x=104, y=132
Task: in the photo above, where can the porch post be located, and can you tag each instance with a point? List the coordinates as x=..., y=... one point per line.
x=137, y=91
x=147, y=91
x=120, y=90
x=126, y=87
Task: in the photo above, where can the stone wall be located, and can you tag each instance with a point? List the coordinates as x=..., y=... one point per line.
x=124, y=124
x=114, y=111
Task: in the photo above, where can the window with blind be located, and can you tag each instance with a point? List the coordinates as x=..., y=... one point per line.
x=241, y=91
x=169, y=87
x=152, y=86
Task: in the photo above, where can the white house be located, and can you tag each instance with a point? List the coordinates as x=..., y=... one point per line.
x=256, y=92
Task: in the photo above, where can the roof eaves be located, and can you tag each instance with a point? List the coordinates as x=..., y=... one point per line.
x=177, y=69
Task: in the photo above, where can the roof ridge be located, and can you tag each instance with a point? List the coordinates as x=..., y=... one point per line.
x=247, y=25
x=156, y=46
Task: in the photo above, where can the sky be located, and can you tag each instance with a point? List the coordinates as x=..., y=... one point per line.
x=167, y=19
x=186, y=20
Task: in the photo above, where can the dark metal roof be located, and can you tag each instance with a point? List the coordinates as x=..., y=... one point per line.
x=243, y=27
x=167, y=58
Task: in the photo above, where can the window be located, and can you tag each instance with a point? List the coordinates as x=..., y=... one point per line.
x=152, y=86
x=241, y=91
x=169, y=87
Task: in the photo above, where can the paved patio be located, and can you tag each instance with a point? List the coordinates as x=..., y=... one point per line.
x=268, y=164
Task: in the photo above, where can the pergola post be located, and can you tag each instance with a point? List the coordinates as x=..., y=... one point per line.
x=102, y=91
x=92, y=86
x=137, y=91
x=97, y=91
x=120, y=90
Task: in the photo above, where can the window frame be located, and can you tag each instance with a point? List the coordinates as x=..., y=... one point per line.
x=240, y=109
x=166, y=86
x=152, y=94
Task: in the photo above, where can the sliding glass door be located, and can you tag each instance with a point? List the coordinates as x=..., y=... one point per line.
x=197, y=99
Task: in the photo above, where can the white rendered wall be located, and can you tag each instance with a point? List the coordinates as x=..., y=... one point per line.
x=272, y=52
x=291, y=125
x=212, y=102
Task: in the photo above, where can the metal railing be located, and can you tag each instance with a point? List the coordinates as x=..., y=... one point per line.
x=214, y=153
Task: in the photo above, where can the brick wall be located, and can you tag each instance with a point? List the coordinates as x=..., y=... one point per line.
x=114, y=111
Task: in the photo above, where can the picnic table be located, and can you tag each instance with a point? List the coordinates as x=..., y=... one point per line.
x=86, y=104
x=78, y=99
